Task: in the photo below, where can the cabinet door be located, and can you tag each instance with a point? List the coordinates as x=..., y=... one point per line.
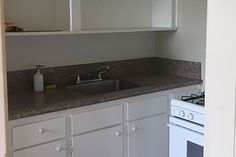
x=53, y=149
x=102, y=143
x=148, y=137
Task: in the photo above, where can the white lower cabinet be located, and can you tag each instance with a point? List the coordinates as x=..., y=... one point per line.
x=132, y=127
x=148, y=137
x=53, y=149
x=103, y=143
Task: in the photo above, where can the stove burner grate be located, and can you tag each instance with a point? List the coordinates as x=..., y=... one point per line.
x=196, y=99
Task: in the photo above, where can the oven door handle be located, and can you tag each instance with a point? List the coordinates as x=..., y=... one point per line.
x=189, y=130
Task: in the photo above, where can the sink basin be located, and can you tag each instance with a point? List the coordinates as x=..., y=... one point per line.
x=100, y=87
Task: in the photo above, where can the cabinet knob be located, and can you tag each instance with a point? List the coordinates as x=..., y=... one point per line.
x=59, y=149
x=118, y=133
x=135, y=128
x=41, y=130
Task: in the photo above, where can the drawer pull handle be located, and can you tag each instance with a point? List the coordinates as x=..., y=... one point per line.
x=41, y=130
x=117, y=133
x=59, y=149
x=135, y=128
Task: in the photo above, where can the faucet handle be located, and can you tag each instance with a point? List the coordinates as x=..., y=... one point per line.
x=77, y=78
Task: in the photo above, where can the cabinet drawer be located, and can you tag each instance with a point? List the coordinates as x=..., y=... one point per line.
x=147, y=107
x=88, y=121
x=36, y=133
x=54, y=149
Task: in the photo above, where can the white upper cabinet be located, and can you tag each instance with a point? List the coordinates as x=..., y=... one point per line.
x=91, y=16
x=38, y=15
x=123, y=14
x=97, y=14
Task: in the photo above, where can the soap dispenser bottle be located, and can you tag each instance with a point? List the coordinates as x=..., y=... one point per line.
x=38, y=80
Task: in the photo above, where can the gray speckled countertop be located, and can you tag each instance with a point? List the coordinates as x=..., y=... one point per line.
x=28, y=104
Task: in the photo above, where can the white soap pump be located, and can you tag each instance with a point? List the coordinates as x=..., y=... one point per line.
x=38, y=80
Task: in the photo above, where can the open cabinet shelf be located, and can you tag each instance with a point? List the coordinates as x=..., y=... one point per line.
x=91, y=31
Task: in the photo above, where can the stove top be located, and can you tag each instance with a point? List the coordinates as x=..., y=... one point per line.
x=195, y=99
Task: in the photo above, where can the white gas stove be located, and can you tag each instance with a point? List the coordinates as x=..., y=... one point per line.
x=186, y=122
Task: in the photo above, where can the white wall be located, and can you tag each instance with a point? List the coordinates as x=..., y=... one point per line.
x=220, y=79
x=189, y=42
x=26, y=52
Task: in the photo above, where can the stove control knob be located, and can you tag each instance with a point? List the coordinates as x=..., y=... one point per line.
x=181, y=113
x=190, y=116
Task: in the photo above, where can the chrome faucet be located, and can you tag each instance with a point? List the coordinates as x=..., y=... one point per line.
x=102, y=70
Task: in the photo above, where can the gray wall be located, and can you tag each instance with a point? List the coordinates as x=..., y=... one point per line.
x=189, y=42
x=26, y=52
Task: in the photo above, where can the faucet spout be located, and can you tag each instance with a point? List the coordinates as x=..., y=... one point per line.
x=102, y=70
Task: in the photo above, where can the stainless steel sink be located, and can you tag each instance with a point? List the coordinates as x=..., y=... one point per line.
x=100, y=87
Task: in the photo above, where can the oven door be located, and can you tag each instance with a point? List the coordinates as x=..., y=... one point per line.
x=184, y=142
